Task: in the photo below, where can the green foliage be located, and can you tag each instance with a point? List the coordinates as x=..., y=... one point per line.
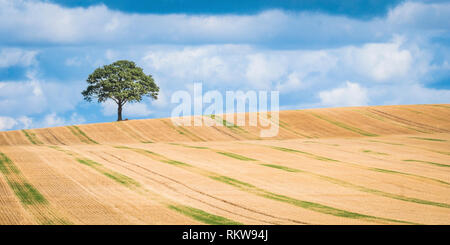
x=121, y=81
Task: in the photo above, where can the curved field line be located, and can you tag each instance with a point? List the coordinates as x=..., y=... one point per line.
x=317, y=207
x=338, y=181
x=383, y=119
x=194, y=190
x=428, y=162
x=130, y=132
x=313, y=156
x=285, y=126
x=31, y=199
x=428, y=139
x=413, y=146
x=133, y=185
x=406, y=121
x=233, y=127
x=362, y=188
x=54, y=136
x=81, y=135
x=32, y=137
x=344, y=126
x=183, y=131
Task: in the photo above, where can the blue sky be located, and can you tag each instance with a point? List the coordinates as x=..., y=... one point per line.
x=316, y=53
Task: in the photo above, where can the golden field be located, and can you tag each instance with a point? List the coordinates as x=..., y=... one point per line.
x=353, y=165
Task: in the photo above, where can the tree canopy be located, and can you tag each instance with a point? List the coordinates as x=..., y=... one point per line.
x=122, y=82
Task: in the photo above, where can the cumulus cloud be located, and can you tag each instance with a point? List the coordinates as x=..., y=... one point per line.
x=7, y=123
x=34, y=96
x=352, y=94
x=17, y=57
x=380, y=61
x=33, y=22
x=53, y=120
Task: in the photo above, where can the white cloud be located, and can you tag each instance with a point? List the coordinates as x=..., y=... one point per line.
x=34, y=96
x=410, y=94
x=33, y=22
x=7, y=123
x=430, y=18
x=292, y=83
x=263, y=70
x=53, y=120
x=380, y=61
x=16, y=57
x=25, y=121
x=352, y=94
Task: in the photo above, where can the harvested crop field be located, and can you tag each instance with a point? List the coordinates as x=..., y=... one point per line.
x=353, y=165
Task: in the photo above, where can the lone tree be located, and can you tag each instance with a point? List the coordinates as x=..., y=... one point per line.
x=122, y=82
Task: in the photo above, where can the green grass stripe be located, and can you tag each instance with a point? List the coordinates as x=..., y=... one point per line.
x=183, y=131
x=223, y=121
x=194, y=213
x=384, y=142
x=322, y=143
x=303, y=153
x=175, y=162
x=32, y=137
x=118, y=177
x=7, y=166
x=382, y=193
x=236, y=156
x=375, y=152
x=266, y=194
x=320, y=208
x=429, y=139
x=203, y=216
x=344, y=126
x=303, y=204
x=427, y=162
x=285, y=126
x=359, y=166
x=138, y=150
x=440, y=152
x=407, y=174
x=380, y=118
x=231, y=181
x=81, y=135
x=282, y=167
x=362, y=188
x=27, y=194
x=229, y=125
x=190, y=146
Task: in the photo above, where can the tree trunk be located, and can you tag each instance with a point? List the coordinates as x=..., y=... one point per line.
x=119, y=112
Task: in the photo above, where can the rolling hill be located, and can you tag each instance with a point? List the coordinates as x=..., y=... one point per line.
x=352, y=165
